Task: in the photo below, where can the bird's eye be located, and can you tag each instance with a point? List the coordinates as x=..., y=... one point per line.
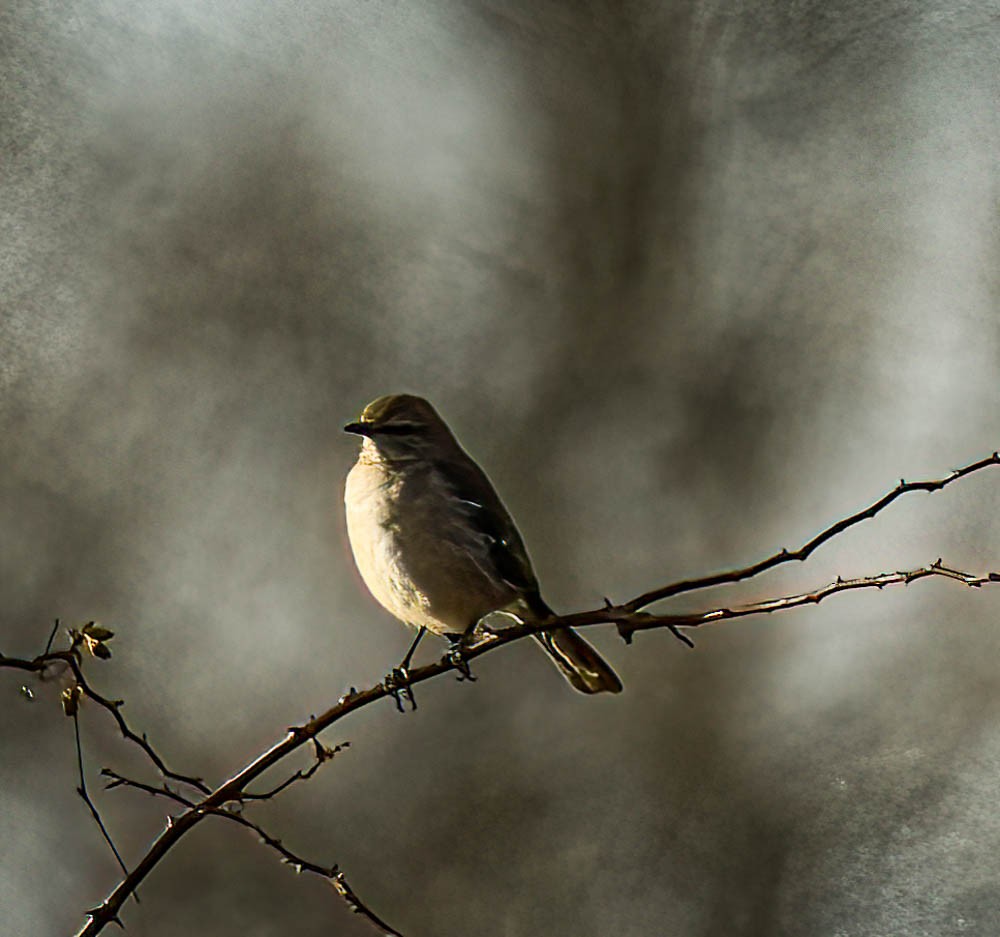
x=397, y=429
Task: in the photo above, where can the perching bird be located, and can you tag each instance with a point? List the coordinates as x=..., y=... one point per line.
x=434, y=543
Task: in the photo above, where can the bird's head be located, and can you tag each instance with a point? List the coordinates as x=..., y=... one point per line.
x=402, y=427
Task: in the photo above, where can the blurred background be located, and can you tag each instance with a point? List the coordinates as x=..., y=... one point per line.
x=691, y=281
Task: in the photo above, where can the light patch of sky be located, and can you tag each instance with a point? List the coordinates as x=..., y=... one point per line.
x=939, y=356
x=432, y=128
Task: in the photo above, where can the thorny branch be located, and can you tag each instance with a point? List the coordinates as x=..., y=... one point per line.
x=803, y=552
x=332, y=874
x=628, y=617
x=322, y=755
x=70, y=658
x=628, y=623
x=85, y=794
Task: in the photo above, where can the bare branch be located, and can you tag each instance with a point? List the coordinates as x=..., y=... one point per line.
x=332, y=874
x=85, y=794
x=627, y=621
x=631, y=622
x=803, y=552
x=358, y=907
x=322, y=755
x=628, y=618
x=118, y=780
x=71, y=660
x=52, y=637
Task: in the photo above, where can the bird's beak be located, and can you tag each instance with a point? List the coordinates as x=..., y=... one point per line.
x=359, y=429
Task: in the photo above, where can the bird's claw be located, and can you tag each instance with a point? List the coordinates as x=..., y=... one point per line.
x=457, y=661
x=397, y=685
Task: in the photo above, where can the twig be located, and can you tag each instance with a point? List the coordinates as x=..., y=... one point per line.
x=52, y=637
x=332, y=874
x=358, y=907
x=232, y=790
x=118, y=780
x=322, y=755
x=630, y=622
x=627, y=617
x=803, y=552
x=82, y=791
x=44, y=661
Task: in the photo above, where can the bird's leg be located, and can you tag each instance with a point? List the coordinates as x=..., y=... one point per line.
x=409, y=654
x=397, y=681
x=459, y=642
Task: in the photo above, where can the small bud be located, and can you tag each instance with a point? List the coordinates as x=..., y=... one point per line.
x=97, y=632
x=71, y=700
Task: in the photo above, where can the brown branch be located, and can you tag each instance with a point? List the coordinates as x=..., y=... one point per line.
x=322, y=755
x=85, y=794
x=234, y=790
x=119, y=780
x=70, y=658
x=332, y=874
x=803, y=552
x=358, y=907
x=627, y=617
x=627, y=621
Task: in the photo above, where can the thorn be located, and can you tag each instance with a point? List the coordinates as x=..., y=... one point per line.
x=625, y=632
x=682, y=637
x=608, y=603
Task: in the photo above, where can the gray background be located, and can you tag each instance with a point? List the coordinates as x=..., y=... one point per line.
x=690, y=280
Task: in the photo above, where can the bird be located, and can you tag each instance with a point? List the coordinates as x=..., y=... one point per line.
x=434, y=543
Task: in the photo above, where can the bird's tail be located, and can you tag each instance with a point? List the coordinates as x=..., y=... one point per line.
x=577, y=660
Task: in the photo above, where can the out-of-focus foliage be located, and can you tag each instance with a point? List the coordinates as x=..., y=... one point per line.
x=690, y=280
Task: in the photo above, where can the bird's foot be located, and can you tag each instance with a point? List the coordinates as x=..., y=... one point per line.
x=457, y=659
x=397, y=685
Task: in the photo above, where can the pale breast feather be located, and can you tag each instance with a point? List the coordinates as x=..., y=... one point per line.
x=372, y=529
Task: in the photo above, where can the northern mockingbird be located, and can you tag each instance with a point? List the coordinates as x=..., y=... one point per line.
x=434, y=543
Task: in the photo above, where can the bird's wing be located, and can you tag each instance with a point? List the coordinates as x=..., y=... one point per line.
x=486, y=529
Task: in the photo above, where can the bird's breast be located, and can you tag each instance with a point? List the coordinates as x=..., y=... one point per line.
x=416, y=551
x=371, y=499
